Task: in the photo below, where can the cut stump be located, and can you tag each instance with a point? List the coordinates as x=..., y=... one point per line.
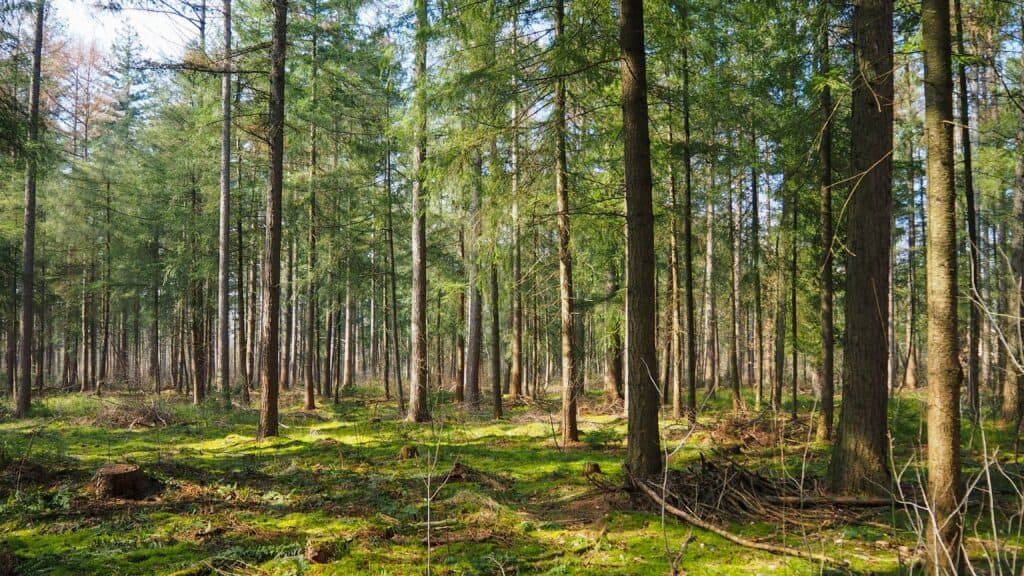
x=123, y=481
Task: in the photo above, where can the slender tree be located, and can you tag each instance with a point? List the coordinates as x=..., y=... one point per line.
x=827, y=375
x=418, y=409
x=973, y=241
x=570, y=376
x=269, y=374
x=224, y=245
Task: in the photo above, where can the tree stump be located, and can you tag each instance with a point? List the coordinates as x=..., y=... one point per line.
x=408, y=452
x=320, y=551
x=123, y=481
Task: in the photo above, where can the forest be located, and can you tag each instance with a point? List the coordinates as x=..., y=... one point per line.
x=501, y=287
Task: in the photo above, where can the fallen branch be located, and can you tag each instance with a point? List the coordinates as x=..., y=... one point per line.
x=844, y=501
x=734, y=538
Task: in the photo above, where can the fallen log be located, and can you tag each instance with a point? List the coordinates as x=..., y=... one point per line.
x=735, y=538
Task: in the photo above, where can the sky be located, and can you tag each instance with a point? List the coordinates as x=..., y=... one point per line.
x=163, y=36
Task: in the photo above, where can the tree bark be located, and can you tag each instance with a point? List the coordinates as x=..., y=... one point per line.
x=24, y=393
x=613, y=349
x=224, y=247
x=643, y=457
x=570, y=376
x=269, y=374
x=826, y=415
x=689, y=327
x=495, y=343
x=859, y=460
x=418, y=409
x=974, y=321
x=515, y=376
x=734, y=302
x=944, y=526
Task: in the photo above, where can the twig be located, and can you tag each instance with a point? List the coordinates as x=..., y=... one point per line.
x=734, y=538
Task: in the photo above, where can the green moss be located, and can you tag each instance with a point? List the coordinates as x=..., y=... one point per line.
x=232, y=499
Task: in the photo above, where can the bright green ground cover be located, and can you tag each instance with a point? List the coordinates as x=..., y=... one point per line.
x=235, y=505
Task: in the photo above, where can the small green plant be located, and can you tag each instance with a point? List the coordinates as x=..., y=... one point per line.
x=603, y=437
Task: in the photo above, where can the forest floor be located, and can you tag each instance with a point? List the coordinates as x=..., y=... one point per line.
x=332, y=495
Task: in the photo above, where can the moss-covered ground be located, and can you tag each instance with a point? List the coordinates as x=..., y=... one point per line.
x=233, y=504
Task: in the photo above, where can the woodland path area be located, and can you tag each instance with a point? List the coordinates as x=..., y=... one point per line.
x=341, y=491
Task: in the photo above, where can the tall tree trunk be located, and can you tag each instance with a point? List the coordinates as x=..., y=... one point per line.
x=944, y=526
x=12, y=332
x=309, y=376
x=393, y=278
x=826, y=414
x=107, y=265
x=710, y=314
x=418, y=409
x=1013, y=392
x=974, y=322
x=348, y=361
x=269, y=374
x=910, y=373
x=224, y=247
x=734, y=302
x=755, y=240
x=859, y=460
x=570, y=429
x=290, y=313
x=28, y=252
x=643, y=456
x=613, y=349
x=495, y=342
x=474, y=325
x=460, y=340
x=515, y=375
x=689, y=328
x=794, y=250
x=154, y=339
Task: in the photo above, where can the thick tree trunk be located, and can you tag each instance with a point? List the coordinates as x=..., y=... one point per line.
x=859, y=460
x=944, y=526
x=570, y=370
x=418, y=409
x=269, y=374
x=28, y=252
x=643, y=458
